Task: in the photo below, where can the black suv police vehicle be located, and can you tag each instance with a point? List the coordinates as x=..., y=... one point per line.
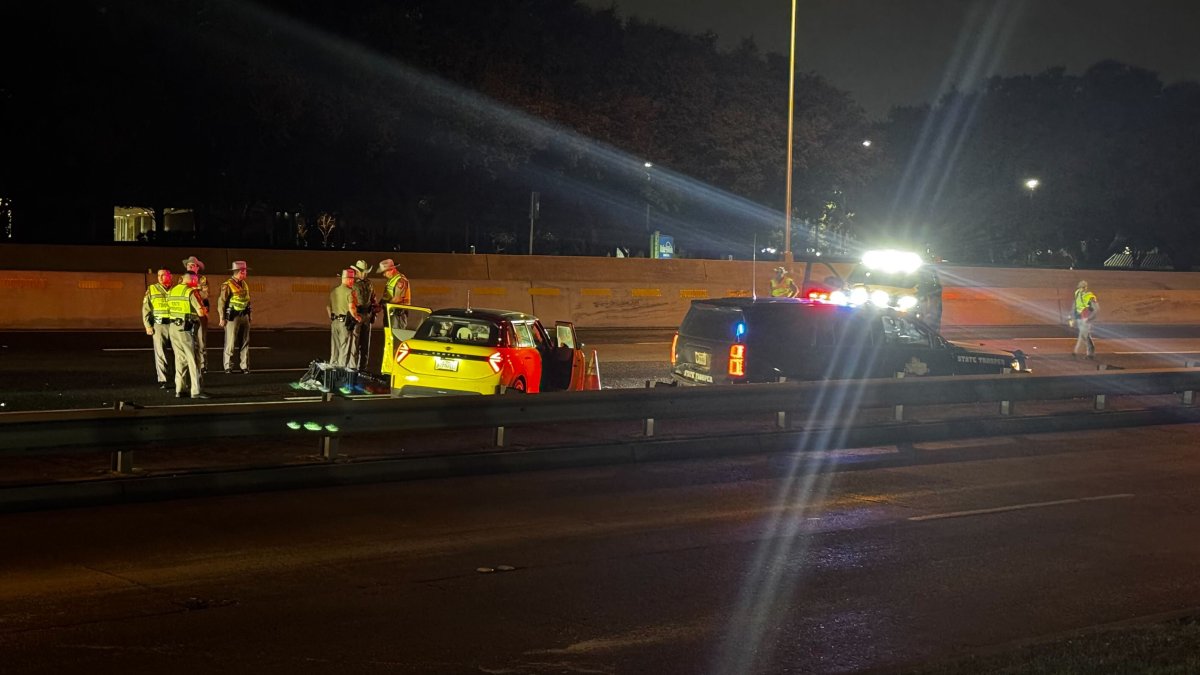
x=729, y=340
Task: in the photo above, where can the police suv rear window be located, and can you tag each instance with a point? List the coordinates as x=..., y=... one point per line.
x=711, y=322
x=458, y=330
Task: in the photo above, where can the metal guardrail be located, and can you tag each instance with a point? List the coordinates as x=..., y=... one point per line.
x=126, y=426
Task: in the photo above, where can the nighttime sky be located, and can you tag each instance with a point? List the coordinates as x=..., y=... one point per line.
x=888, y=52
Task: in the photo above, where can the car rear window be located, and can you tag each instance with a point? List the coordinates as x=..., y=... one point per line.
x=459, y=330
x=785, y=321
x=711, y=322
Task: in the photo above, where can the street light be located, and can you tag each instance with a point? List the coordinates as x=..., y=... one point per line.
x=1032, y=184
x=787, y=215
x=866, y=143
x=648, y=165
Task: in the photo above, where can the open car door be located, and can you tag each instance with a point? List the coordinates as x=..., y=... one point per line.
x=400, y=324
x=566, y=370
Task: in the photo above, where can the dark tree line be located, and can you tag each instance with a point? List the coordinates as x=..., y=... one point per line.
x=425, y=125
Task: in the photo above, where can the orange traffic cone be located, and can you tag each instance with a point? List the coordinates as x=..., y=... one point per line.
x=591, y=381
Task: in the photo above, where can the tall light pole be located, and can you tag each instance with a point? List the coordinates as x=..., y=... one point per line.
x=787, y=214
x=648, y=165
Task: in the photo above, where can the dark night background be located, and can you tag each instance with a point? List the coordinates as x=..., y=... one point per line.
x=424, y=126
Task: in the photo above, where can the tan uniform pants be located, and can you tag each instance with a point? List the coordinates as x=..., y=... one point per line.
x=343, y=345
x=187, y=366
x=202, y=343
x=162, y=335
x=237, y=342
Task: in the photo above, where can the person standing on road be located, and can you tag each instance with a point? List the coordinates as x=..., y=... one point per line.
x=233, y=306
x=193, y=265
x=156, y=318
x=186, y=310
x=782, y=284
x=1083, y=315
x=344, y=319
x=368, y=307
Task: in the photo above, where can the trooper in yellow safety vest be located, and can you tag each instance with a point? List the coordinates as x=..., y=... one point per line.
x=155, y=318
x=193, y=265
x=782, y=284
x=1084, y=314
x=186, y=310
x=233, y=306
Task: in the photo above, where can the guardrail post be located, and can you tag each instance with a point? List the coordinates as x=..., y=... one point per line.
x=329, y=443
x=1188, y=397
x=501, y=437
x=898, y=411
x=122, y=460
x=648, y=423
x=1100, y=398
x=781, y=419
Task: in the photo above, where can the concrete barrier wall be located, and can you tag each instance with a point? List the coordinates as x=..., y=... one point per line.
x=101, y=287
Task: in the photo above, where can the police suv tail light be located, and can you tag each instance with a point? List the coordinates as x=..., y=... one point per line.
x=401, y=352
x=737, y=360
x=495, y=361
x=674, y=345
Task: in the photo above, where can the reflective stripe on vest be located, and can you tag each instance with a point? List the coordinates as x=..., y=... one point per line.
x=239, y=295
x=158, y=301
x=781, y=288
x=179, y=300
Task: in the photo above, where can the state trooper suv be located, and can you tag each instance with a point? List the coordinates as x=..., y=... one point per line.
x=732, y=340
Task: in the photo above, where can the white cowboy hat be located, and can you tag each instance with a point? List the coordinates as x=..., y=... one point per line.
x=386, y=265
x=193, y=260
x=238, y=265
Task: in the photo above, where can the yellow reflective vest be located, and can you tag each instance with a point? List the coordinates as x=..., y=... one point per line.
x=782, y=288
x=239, y=294
x=398, y=290
x=179, y=302
x=157, y=296
x=1083, y=300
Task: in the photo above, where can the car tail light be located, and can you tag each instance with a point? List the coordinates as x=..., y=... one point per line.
x=737, y=360
x=674, y=345
x=495, y=361
x=401, y=352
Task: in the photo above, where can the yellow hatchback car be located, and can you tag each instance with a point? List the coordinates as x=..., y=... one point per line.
x=484, y=351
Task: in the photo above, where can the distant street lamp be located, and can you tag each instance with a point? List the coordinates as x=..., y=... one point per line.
x=1032, y=185
x=866, y=143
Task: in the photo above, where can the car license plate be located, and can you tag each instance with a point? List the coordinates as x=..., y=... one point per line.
x=445, y=364
x=702, y=359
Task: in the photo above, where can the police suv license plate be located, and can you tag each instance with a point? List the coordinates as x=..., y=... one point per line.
x=702, y=359
x=445, y=364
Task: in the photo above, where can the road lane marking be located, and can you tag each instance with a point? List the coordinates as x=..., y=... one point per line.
x=1017, y=507
x=1156, y=352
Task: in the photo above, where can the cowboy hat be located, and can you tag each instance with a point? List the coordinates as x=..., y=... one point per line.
x=781, y=268
x=238, y=265
x=362, y=267
x=386, y=265
x=193, y=260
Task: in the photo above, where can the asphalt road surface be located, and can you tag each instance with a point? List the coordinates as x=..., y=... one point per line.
x=65, y=370
x=791, y=563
